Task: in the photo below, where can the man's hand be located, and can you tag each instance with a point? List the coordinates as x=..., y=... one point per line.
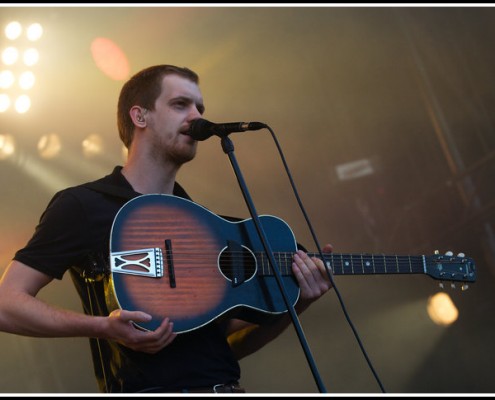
x=311, y=276
x=122, y=329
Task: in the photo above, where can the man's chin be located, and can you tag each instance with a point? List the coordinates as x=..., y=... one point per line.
x=185, y=157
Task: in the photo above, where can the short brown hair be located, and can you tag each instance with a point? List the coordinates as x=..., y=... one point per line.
x=143, y=89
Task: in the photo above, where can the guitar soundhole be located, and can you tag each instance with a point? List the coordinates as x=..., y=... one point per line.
x=237, y=264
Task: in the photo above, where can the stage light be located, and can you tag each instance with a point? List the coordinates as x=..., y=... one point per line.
x=30, y=57
x=7, y=146
x=110, y=59
x=34, y=32
x=13, y=30
x=441, y=309
x=92, y=145
x=7, y=79
x=26, y=80
x=10, y=55
x=18, y=56
x=22, y=104
x=49, y=146
x=4, y=102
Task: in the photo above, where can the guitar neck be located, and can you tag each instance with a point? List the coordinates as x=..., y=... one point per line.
x=368, y=264
x=352, y=264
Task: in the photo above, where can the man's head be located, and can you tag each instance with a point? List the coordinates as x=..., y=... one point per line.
x=142, y=90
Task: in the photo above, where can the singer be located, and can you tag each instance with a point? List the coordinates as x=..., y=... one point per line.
x=156, y=111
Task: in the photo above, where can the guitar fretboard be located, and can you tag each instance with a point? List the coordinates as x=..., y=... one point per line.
x=351, y=264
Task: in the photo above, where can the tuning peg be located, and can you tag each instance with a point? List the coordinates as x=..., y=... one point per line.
x=462, y=255
x=441, y=285
x=452, y=285
x=436, y=252
x=449, y=254
x=465, y=286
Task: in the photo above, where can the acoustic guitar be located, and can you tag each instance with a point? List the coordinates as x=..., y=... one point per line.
x=171, y=257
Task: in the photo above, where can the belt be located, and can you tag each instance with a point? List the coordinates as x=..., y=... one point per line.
x=220, y=388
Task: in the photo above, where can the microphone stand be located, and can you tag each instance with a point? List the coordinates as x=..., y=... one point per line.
x=228, y=148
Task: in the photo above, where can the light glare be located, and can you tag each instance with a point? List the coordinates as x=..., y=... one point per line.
x=31, y=57
x=10, y=55
x=4, y=102
x=13, y=30
x=49, y=146
x=22, y=104
x=92, y=145
x=26, y=80
x=7, y=79
x=7, y=146
x=442, y=310
x=34, y=32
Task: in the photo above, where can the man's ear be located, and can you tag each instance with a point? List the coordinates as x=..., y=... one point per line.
x=138, y=116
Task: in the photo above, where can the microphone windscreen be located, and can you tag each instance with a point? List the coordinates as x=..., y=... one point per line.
x=200, y=129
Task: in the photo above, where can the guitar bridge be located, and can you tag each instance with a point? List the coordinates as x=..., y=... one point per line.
x=144, y=262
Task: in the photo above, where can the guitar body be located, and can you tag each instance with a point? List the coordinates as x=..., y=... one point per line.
x=172, y=258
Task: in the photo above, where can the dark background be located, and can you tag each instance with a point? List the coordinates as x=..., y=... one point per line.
x=411, y=89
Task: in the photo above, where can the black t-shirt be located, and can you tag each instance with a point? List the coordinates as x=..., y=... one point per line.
x=73, y=234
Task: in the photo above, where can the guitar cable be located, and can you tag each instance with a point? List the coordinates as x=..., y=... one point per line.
x=330, y=276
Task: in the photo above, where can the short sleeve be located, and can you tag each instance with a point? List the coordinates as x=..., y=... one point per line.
x=60, y=238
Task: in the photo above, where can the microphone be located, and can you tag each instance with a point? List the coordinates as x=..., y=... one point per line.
x=202, y=129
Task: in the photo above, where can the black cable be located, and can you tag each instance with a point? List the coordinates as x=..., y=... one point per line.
x=330, y=276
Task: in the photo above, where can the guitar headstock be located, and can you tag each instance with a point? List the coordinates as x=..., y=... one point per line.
x=448, y=267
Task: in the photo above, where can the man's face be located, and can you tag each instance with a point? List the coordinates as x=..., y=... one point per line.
x=177, y=106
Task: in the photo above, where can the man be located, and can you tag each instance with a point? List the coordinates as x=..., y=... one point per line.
x=155, y=111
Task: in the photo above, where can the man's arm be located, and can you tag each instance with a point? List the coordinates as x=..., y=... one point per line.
x=22, y=313
x=245, y=338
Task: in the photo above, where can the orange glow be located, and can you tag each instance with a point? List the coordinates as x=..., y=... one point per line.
x=442, y=310
x=110, y=59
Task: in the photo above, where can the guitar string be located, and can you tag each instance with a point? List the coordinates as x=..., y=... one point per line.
x=351, y=264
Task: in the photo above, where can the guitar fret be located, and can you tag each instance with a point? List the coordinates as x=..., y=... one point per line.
x=283, y=260
x=335, y=265
x=380, y=265
x=343, y=264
